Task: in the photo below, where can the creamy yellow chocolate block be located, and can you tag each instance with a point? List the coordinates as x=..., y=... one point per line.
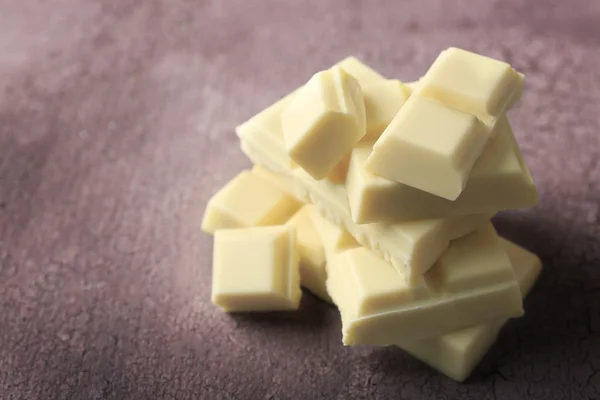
x=256, y=269
x=265, y=128
x=500, y=180
x=472, y=83
x=383, y=100
x=457, y=353
x=310, y=249
x=412, y=247
x=323, y=121
x=437, y=136
x=248, y=200
x=429, y=146
x=472, y=282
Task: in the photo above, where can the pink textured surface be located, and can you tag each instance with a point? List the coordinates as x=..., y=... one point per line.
x=116, y=125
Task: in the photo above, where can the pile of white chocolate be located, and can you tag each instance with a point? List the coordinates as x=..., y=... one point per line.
x=376, y=196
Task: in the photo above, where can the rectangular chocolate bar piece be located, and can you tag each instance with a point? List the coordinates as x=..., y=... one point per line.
x=472, y=282
x=430, y=147
x=472, y=83
x=324, y=121
x=435, y=139
x=256, y=269
x=500, y=180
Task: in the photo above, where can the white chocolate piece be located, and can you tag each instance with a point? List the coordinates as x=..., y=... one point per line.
x=264, y=130
x=312, y=254
x=471, y=283
x=246, y=201
x=500, y=180
x=456, y=354
x=434, y=141
x=412, y=247
x=472, y=83
x=383, y=100
x=324, y=121
x=430, y=147
x=256, y=269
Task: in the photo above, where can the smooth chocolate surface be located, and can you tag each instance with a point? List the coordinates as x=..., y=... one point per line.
x=117, y=125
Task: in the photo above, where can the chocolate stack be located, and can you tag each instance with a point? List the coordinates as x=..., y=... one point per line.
x=377, y=196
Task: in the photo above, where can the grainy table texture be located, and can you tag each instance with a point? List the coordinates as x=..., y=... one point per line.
x=116, y=125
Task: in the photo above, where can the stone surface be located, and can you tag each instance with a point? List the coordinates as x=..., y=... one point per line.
x=116, y=126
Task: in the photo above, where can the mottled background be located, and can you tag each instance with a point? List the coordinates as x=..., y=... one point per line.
x=116, y=125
